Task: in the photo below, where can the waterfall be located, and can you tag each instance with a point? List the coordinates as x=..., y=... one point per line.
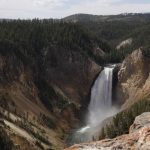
x=100, y=107
x=101, y=98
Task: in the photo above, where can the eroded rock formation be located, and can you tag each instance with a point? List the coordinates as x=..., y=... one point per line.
x=133, y=79
x=43, y=96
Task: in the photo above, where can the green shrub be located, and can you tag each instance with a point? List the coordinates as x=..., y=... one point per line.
x=41, y=138
x=39, y=145
x=45, y=120
x=27, y=127
x=5, y=142
x=123, y=120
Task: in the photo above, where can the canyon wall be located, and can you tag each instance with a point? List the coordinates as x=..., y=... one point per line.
x=43, y=96
x=133, y=79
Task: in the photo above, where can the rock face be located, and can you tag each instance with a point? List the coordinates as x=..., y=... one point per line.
x=70, y=71
x=45, y=93
x=124, y=43
x=137, y=139
x=133, y=79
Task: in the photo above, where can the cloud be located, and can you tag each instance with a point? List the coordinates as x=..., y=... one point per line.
x=62, y=8
x=107, y=7
x=50, y=3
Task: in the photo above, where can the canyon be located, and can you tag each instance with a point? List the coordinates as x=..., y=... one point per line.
x=132, y=86
x=54, y=74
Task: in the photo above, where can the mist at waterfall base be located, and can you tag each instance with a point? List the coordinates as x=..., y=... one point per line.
x=99, y=109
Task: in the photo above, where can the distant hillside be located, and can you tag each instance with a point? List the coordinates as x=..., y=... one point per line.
x=117, y=28
x=97, y=18
x=83, y=17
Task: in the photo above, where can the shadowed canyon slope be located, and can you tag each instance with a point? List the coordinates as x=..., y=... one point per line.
x=50, y=99
x=42, y=89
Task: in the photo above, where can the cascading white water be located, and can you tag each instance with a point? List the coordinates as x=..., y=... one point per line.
x=101, y=98
x=100, y=106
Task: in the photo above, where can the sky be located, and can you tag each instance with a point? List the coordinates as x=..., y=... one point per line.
x=28, y=9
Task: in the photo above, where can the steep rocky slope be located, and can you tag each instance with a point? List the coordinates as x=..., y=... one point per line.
x=41, y=93
x=138, y=138
x=133, y=79
x=45, y=108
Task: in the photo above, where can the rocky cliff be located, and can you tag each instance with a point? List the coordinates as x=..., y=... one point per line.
x=133, y=79
x=40, y=98
x=138, y=138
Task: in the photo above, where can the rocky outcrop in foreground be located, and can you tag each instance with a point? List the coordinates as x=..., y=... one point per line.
x=137, y=139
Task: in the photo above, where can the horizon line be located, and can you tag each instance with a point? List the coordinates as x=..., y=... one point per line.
x=46, y=18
